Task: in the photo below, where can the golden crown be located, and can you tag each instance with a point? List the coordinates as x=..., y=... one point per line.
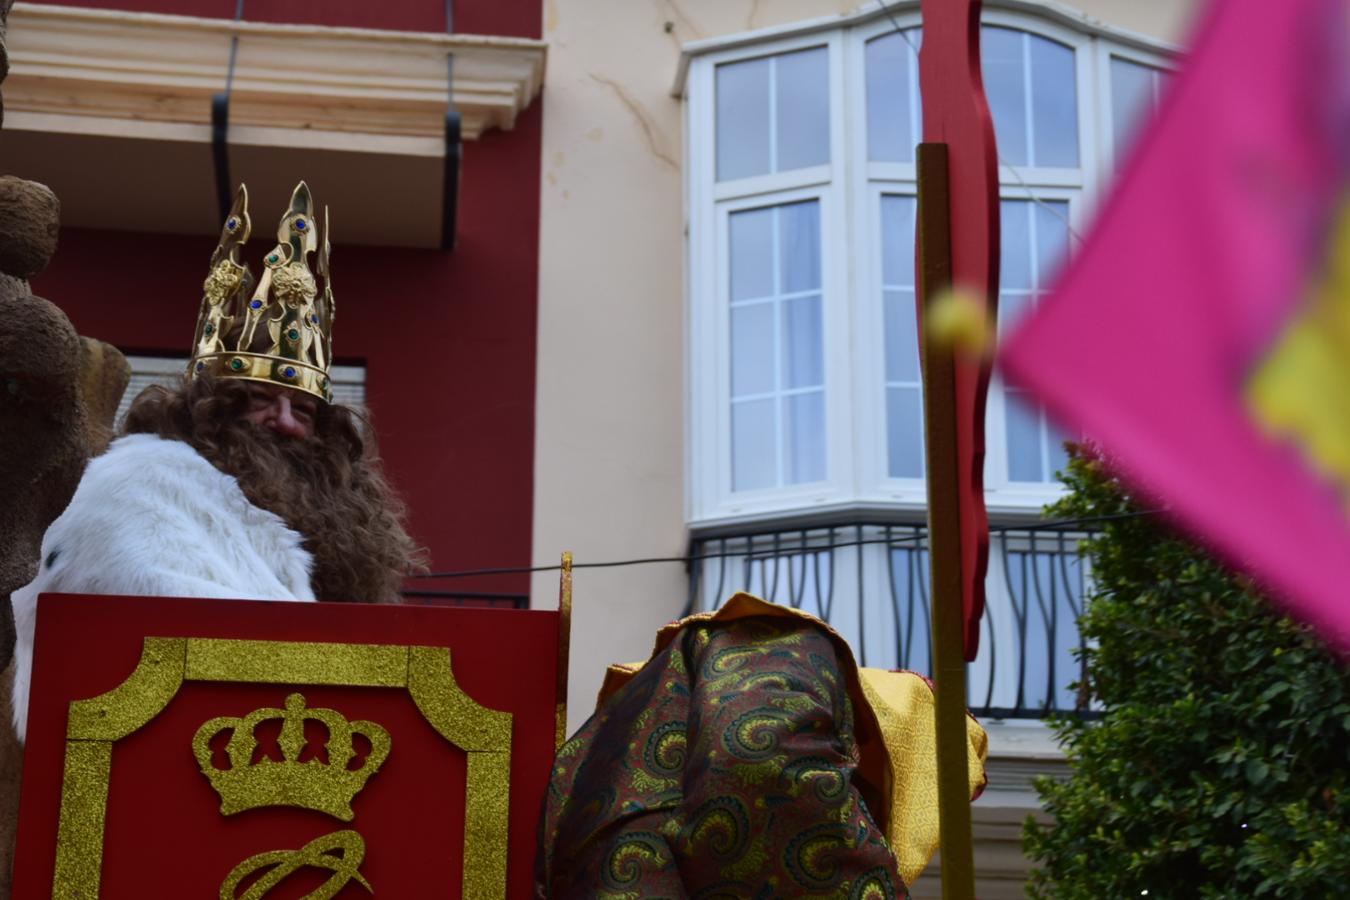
x=279, y=330
x=326, y=787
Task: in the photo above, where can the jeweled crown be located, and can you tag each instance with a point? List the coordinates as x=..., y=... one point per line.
x=280, y=329
x=327, y=787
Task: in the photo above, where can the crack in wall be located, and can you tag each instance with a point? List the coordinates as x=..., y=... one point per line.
x=650, y=131
x=750, y=19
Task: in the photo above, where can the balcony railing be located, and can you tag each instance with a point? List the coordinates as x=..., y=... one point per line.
x=870, y=582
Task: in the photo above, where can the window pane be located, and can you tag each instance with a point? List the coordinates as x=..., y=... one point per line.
x=805, y=450
x=1035, y=239
x=904, y=432
x=904, y=402
x=892, y=97
x=1024, y=439
x=1132, y=100
x=752, y=349
x=777, y=347
x=1014, y=271
x=742, y=119
x=752, y=254
x=803, y=107
x=799, y=236
x=1052, y=240
x=1011, y=308
x=902, y=338
x=897, y=241
x=753, y=445
x=1054, y=450
x=1054, y=104
x=803, y=343
x=1003, y=57
x=1031, y=83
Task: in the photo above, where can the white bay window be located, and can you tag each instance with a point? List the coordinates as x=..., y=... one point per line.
x=804, y=383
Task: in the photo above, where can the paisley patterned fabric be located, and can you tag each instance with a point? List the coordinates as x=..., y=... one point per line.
x=728, y=766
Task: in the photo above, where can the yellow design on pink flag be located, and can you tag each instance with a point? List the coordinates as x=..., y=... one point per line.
x=1202, y=337
x=1301, y=392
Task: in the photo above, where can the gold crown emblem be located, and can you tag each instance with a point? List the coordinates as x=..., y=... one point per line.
x=325, y=787
x=279, y=330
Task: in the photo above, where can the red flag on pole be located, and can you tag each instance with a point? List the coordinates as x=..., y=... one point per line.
x=956, y=113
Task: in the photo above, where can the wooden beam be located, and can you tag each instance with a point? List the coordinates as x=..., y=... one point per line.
x=940, y=411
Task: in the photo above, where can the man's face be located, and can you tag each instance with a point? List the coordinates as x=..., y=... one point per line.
x=290, y=413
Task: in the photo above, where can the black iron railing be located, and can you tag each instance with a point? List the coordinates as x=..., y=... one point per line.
x=870, y=582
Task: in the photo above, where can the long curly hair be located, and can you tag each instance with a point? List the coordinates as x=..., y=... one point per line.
x=330, y=488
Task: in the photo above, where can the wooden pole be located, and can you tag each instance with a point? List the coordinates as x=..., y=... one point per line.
x=940, y=410
x=564, y=647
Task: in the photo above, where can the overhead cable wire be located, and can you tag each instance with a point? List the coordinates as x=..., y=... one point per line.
x=915, y=539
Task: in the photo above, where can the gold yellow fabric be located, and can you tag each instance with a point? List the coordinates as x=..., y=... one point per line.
x=896, y=734
x=904, y=706
x=1300, y=390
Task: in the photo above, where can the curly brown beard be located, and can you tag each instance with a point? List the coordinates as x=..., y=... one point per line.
x=329, y=487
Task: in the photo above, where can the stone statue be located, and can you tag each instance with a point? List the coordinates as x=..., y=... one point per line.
x=58, y=396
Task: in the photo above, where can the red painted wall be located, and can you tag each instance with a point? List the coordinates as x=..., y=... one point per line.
x=448, y=339
x=516, y=18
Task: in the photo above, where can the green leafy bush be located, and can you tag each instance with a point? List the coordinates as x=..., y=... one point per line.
x=1220, y=765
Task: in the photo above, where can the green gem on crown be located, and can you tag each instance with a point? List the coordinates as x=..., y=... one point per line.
x=236, y=364
x=293, y=335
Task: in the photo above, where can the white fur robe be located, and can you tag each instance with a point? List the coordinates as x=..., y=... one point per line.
x=152, y=517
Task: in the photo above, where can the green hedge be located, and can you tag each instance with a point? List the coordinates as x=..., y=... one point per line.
x=1220, y=765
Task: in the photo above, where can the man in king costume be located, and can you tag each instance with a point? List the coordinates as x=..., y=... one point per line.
x=245, y=481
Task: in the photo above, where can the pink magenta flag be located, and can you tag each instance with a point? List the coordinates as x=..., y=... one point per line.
x=1202, y=336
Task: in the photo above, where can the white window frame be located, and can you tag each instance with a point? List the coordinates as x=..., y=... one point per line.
x=710, y=205
x=876, y=179
x=849, y=188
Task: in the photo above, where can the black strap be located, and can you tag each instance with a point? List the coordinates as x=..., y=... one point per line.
x=220, y=126
x=454, y=151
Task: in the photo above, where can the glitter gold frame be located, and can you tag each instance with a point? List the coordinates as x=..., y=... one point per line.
x=96, y=723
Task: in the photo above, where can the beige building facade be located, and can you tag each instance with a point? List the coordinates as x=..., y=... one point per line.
x=643, y=336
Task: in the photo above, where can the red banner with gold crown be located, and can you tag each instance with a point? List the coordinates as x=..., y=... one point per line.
x=234, y=749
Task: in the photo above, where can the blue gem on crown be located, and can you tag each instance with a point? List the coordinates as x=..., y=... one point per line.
x=231, y=223
x=256, y=304
x=289, y=371
x=301, y=224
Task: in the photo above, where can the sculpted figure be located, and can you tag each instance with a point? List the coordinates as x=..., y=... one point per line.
x=58, y=395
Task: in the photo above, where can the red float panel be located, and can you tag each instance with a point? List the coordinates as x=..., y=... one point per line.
x=165, y=835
